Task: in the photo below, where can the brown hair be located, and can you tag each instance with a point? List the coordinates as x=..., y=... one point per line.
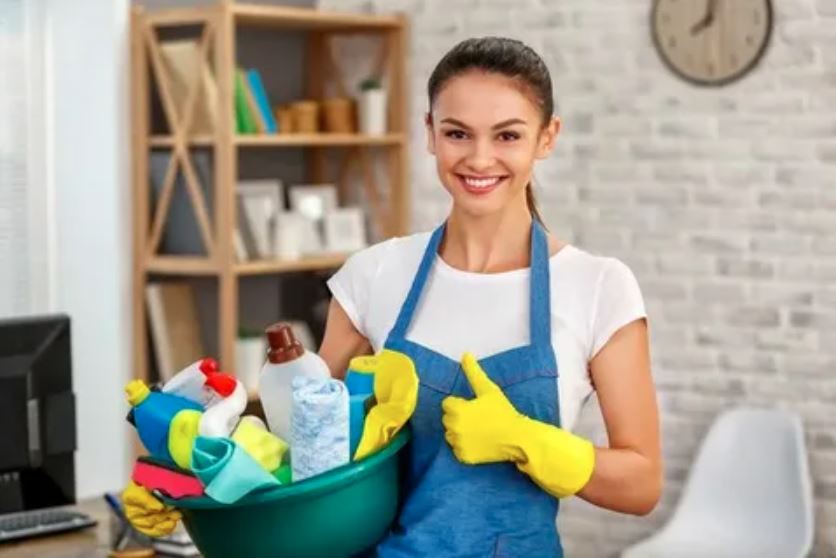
x=508, y=57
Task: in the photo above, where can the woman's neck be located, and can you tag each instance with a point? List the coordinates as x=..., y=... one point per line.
x=487, y=244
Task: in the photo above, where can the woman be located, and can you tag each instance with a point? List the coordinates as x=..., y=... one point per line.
x=492, y=452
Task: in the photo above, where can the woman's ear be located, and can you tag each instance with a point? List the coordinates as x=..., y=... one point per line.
x=548, y=137
x=428, y=123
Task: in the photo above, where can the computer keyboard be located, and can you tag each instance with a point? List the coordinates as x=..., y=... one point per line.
x=41, y=522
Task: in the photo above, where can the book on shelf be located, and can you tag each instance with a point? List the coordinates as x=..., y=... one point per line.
x=244, y=118
x=260, y=94
x=175, y=326
x=252, y=104
x=186, y=69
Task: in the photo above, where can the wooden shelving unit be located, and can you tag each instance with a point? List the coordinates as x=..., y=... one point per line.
x=218, y=27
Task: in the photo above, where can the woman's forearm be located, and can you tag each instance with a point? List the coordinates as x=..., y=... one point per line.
x=623, y=480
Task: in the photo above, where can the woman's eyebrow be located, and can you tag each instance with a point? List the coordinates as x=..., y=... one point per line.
x=496, y=126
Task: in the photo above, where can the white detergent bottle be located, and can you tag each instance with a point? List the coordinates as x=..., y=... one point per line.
x=286, y=359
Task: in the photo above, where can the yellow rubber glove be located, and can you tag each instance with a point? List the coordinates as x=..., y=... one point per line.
x=263, y=446
x=396, y=391
x=489, y=429
x=148, y=515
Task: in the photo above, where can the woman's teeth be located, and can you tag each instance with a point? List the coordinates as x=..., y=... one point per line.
x=482, y=182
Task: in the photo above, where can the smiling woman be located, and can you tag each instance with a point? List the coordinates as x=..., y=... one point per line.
x=509, y=328
x=463, y=128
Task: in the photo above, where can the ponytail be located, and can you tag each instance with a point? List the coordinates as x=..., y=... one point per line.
x=531, y=202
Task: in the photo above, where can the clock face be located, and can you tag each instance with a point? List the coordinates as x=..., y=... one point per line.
x=711, y=42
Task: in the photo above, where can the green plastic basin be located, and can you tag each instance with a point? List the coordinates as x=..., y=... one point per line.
x=337, y=514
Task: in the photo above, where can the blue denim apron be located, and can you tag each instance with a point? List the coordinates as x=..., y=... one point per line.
x=452, y=509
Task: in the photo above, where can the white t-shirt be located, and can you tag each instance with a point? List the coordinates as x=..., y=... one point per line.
x=591, y=298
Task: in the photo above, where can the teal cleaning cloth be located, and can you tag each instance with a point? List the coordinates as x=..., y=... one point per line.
x=226, y=470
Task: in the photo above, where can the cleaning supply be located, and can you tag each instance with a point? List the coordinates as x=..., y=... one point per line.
x=359, y=382
x=146, y=514
x=358, y=407
x=190, y=382
x=319, y=426
x=286, y=359
x=227, y=471
x=395, y=392
x=220, y=420
x=153, y=413
x=182, y=433
x=489, y=429
x=284, y=474
x=172, y=481
x=264, y=447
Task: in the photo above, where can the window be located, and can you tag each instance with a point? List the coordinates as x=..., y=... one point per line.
x=24, y=227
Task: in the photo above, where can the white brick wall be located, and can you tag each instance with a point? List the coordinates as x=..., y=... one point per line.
x=722, y=202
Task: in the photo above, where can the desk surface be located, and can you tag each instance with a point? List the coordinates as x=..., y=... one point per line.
x=89, y=543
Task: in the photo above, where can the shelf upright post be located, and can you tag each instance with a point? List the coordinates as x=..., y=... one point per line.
x=226, y=173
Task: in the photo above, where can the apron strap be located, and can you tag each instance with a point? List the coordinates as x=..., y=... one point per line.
x=411, y=302
x=539, y=292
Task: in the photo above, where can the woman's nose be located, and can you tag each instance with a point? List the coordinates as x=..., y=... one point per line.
x=481, y=156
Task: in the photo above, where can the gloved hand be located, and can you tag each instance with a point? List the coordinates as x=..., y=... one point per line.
x=396, y=391
x=489, y=429
x=148, y=515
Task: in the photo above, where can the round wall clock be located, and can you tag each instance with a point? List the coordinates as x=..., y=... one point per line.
x=711, y=42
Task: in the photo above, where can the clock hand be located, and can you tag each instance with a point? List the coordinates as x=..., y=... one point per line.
x=707, y=20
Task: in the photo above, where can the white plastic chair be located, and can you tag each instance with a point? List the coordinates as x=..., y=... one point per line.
x=747, y=495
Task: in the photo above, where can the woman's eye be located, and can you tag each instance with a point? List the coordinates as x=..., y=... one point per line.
x=455, y=134
x=509, y=136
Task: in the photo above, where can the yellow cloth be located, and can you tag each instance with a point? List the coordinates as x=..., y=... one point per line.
x=396, y=392
x=264, y=447
x=181, y=436
x=148, y=515
x=489, y=429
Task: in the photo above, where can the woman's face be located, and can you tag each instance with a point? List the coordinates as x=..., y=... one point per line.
x=486, y=133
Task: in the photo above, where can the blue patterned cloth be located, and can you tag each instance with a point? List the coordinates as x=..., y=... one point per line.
x=319, y=426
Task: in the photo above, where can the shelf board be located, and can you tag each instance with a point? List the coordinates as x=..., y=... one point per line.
x=306, y=18
x=265, y=267
x=302, y=140
x=168, y=141
x=287, y=140
x=180, y=265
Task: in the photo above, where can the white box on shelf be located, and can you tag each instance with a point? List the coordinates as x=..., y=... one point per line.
x=312, y=201
x=345, y=230
x=261, y=201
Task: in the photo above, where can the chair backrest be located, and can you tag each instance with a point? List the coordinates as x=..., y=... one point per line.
x=751, y=476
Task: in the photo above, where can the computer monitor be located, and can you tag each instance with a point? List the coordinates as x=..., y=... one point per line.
x=37, y=414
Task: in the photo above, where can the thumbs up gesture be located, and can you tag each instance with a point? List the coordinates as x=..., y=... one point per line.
x=481, y=430
x=488, y=429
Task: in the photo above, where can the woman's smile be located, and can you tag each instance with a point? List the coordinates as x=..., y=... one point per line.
x=480, y=185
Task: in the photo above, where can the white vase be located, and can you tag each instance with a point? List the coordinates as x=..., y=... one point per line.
x=372, y=112
x=250, y=353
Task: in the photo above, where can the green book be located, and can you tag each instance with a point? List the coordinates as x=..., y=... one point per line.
x=244, y=121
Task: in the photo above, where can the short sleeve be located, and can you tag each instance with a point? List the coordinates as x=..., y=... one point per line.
x=618, y=301
x=352, y=284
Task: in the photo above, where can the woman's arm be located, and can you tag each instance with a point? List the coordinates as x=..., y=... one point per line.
x=628, y=474
x=341, y=341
